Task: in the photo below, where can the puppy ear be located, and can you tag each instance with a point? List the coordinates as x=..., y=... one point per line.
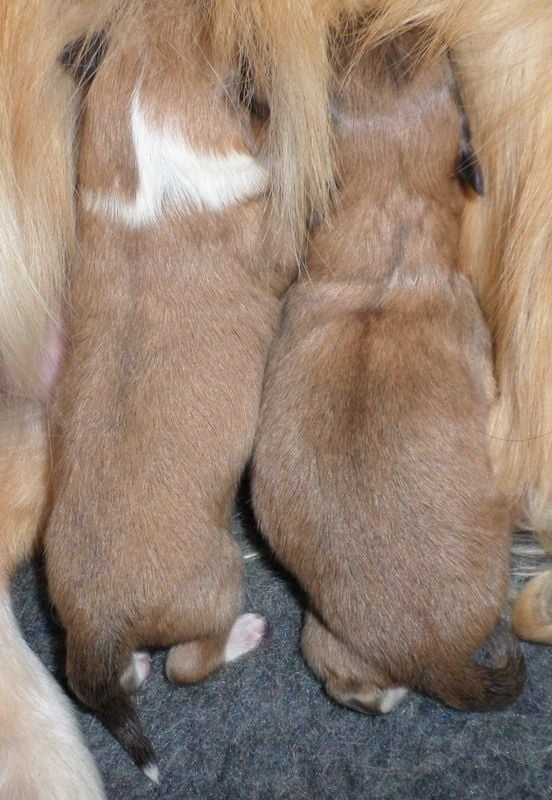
x=83, y=57
x=468, y=168
x=249, y=93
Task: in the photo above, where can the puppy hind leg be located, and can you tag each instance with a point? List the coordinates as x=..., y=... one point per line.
x=348, y=679
x=366, y=697
x=194, y=661
x=214, y=631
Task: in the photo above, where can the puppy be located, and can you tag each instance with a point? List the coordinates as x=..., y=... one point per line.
x=173, y=303
x=371, y=474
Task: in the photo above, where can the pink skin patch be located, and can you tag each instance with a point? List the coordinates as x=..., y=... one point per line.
x=245, y=635
x=51, y=360
x=136, y=672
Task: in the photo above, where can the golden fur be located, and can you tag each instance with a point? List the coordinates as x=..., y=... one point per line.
x=37, y=111
x=36, y=178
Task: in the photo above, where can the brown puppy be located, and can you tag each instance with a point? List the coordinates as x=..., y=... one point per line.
x=173, y=303
x=371, y=474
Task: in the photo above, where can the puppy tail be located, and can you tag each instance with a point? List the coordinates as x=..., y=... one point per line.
x=95, y=665
x=477, y=687
x=121, y=720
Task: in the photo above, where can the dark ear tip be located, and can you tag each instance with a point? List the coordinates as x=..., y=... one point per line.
x=469, y=171
x=479, y=184
x=249, y=93
x=83, y=57
x=69, y=54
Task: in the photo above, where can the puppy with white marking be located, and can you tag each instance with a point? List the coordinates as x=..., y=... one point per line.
x=371, y=472
x=173, y=303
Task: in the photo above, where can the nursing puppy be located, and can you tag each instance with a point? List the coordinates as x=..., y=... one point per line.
x=173, y=303
x=371, y=473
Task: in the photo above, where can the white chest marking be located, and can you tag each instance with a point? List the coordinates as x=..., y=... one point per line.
x=174, y=176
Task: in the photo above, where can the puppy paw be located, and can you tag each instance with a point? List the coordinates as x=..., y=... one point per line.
x=391, y=698
x=136, y=672
x=374, y=701
x=245, y=635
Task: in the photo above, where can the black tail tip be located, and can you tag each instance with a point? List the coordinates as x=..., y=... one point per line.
x=121, y=720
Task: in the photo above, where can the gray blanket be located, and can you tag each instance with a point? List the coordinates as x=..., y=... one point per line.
x=263, y=729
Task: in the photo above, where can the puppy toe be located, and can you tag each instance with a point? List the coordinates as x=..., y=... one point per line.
x=374, y=701
x=391, y=698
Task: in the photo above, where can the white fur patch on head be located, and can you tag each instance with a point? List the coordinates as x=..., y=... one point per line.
x=172, y=175
x=245, y=635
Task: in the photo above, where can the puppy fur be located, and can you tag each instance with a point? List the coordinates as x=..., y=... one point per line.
x=173, y=303
x=501, y=52
x=372, y=477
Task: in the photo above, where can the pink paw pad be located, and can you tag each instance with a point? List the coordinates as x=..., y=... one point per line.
x=245, y=635
x=137, y=671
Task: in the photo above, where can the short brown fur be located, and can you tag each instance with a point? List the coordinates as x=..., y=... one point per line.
x=371, y=475
x=169, y=325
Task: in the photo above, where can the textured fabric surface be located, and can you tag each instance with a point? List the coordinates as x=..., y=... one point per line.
x=263, y=729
